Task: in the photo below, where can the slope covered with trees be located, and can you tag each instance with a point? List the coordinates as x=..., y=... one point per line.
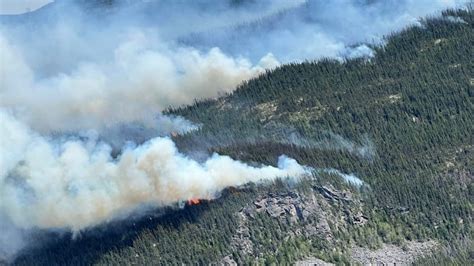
x=412, y=102
x=401, y=121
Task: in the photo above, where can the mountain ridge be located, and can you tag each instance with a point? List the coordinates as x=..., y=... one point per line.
x=412, y=103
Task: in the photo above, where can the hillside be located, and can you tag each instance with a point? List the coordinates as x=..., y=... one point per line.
x=402, y=122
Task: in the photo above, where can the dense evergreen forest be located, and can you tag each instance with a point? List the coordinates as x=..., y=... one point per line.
x=412, y=102
x=402, y=121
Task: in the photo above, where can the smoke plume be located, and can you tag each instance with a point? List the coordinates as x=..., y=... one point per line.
x=75, y=184
x=98, y=67
x=135, y=86
x=77, y=77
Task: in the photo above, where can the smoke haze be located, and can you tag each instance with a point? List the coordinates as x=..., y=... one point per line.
x=98, y=68
x=75, y=77
x=76, y=184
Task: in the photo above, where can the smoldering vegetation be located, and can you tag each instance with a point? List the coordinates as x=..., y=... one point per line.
x=200, y=144
x=76, y=184
x=79, y=80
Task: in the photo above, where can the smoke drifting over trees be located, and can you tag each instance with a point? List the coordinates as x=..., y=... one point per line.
x=71, y=70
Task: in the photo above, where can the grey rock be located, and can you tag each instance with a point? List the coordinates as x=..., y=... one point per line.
x=393, y=255
x=312, y=262
x=227, y=261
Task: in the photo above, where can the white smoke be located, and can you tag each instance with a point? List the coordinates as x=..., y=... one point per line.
x=12, y=238
x=349, y=178
x=64, y=71
x=77, y=184
x=136, y=85
x=337, y=29
x=96, y=73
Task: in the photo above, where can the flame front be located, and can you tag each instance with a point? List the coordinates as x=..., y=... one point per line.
x=193, y=201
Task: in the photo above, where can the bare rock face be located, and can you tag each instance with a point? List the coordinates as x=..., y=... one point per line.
x=391, y=254
x=289, y=207
x=241, y=239
x=312, y=262
x=334, y=195
x=310, y=215
x=227, y=261
x=307, y=214
x=360, y=219
x=293, y=205
x=281, y=206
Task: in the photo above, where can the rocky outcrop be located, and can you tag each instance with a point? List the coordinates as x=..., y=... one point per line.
x=309, y=215
x=241, y=239
x=334, y=195
x=303, y=212
x=227, y=261
x=281, y=206
x=391, y=254
x=312, y=262
x=387, y=255
x=360, y=219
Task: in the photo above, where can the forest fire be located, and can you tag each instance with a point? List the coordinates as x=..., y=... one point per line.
x=194, y=202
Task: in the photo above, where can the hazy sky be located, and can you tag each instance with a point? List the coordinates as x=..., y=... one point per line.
x=20, y=6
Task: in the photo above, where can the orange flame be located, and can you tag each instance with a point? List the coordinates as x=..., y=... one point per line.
x=193, y=201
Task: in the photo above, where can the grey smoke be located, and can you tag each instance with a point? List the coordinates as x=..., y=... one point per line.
x=315, y=29
x=197, y=145
x=349, y=178
x=11, y=238
x=75, y=78
x=75, y=184
x=99, y=67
